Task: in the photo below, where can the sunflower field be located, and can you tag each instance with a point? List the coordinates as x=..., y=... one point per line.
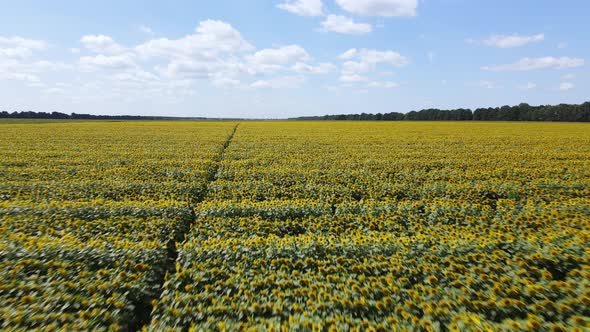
x=294, y=226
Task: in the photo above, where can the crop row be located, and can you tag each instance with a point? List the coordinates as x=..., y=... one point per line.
x=89, y=217
x=424, y=227
x=294, y=226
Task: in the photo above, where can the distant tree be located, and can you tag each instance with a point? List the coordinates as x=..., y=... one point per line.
x=520, y=112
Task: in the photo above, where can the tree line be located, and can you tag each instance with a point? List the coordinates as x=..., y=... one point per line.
x=521, y=112
x=76, y=116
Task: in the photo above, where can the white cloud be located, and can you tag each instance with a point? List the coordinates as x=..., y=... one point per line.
x=14, y=66
x=279, y=56
x=279, y=83
x=271, y=60
x=102, y=61
x=147, y=30
x=352, y=78
x=487, y=84
x=260, y=84
x=20, y=77
x=54, y=91
x=565, y=86
x=380, y=7
x=369, y=59
x=303, y=7
x=367, y=62
x=45, y=66
x=331, y=88
x=101, y=44
x=138, y=76
x=132, y=84
x=528, y=86
x=32, y=44
x=18, y=47
x=322, y=68
x=351, y=53
x=211, y=39
x=211, y=52
x=353, y=67
x=568, y=76
x=169, y=69
x=15, y=52
x=388, y=57
x=225, y=82
x=515, y=40
x=345, y=25
x=562, y=45
x=385, y=85
x=189, y=69
x=215, y=52
x=27, y=71
x=538, y=63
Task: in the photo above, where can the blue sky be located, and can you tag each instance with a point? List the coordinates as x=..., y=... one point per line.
x=283, y=58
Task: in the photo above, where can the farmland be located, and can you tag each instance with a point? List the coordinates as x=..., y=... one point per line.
x=271, y=226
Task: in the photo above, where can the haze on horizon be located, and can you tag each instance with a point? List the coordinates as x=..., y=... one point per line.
x=287, y=58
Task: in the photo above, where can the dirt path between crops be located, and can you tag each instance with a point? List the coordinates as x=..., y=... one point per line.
x=144, y=309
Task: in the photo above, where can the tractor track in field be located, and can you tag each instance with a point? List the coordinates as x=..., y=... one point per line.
x=143, y=308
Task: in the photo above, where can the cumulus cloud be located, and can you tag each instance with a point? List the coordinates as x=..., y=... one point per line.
x=16, y=63
x=384, y=85
x=189, y=69
x=568, y=76
x=303, y=7
x=147, y=30
x=101, y=44
x=46, y=66
x=528, y=86
x=565, y=86
x=388, y=57
x=279, y=82
x=211, y=38
x=225, y=82
x=271, y=60
x=352, y=78
x=31, y=67
x=32, y=44
x=380, y=7
x=366, y=61
x=369, y=59
x=353, y=67
x=351, y=53
x=102, y=61
x=345, y=25
x=138, y=76
x=215, y=52
x=279, y=56
x=322, y=68
x=19, y=47
x=515, y=40
x=487, y=84
x=20, y=77
x=538, y=63
x=54, y=91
